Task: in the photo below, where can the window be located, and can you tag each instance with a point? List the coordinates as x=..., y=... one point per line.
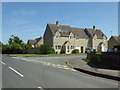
x=72, y=47
x=77, y=37
x=57, y=36
x=57, y=47
x=71, y=37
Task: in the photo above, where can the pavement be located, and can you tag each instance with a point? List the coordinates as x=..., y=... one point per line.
x=84, y=67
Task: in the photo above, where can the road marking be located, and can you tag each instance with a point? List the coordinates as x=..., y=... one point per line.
x=3, y=63
x=58, y=65
x=73, y=70
x=50, y=64
x=40, y=88
x=16, y=72
x=64, y=66
x=67, y=68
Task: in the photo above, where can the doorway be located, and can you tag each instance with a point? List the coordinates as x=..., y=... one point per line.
x=81, y=49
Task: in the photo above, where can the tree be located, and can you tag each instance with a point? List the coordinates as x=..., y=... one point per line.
x=46, y=49
x=15, y=40
x=6, y=49
x=0, y=47
x=16, y=45
x=16, y=48
x=28, y=46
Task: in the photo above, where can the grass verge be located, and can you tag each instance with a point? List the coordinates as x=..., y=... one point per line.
x=35, y=55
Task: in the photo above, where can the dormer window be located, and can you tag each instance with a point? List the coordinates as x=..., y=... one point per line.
x=71, y=37
x=57, y=35
x=104, y=37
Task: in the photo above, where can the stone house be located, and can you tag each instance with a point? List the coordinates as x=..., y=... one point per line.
x=66, y=38
x=35, y=43
x=114, y=40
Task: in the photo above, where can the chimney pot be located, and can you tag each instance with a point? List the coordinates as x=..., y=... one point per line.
x=93, y=27
x=57, y=22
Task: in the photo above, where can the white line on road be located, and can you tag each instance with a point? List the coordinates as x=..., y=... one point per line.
x=16, y=72
x=3, y=63
x=40, y=88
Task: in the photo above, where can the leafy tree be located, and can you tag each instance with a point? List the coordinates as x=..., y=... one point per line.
x=28, y=46
x=16, y=48
x=6, y=48
x=46, y=49
x=0, y=46
x=14, y=40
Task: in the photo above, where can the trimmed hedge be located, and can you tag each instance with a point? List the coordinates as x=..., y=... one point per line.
x=75, y=51
x=46, y=49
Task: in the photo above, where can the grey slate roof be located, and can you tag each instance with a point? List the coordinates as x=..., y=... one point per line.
x=76, y=31
x=31, y=42
x=37, y=40
x=117, y=38
x=92, y=32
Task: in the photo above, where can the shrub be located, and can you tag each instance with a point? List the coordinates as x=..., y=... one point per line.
x=46, y=49
x=62, y=52
x=118, y=47
x=75, y=51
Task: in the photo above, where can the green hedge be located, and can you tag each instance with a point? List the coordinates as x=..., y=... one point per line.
x=46, y=49
x=75, y=51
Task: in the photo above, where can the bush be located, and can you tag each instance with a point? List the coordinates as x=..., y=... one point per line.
x=62, y=52
x=75, y=51
x=46, y=49
x=117, y=47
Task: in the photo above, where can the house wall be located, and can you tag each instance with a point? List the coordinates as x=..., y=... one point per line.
x=48, y=37
x=59, y=42
x=81, y=43
x=39, y=43
x=77, y=43
x=97, y=42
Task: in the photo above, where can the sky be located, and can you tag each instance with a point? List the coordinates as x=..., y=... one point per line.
x=28, y=20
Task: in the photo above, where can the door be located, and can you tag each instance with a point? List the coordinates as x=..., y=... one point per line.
x=81, y=49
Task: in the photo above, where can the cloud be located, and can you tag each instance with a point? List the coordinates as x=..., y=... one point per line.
x=25, y=12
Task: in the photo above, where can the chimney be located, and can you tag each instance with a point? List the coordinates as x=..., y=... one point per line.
x=93, y=27
x=57, y=23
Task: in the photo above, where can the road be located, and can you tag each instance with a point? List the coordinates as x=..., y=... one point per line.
x=48, y=72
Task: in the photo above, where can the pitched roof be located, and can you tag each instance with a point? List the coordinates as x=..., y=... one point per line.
x=92, y=32
x=31, y=42
x=38, y=39
x=65, y=30
x=117, y=38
